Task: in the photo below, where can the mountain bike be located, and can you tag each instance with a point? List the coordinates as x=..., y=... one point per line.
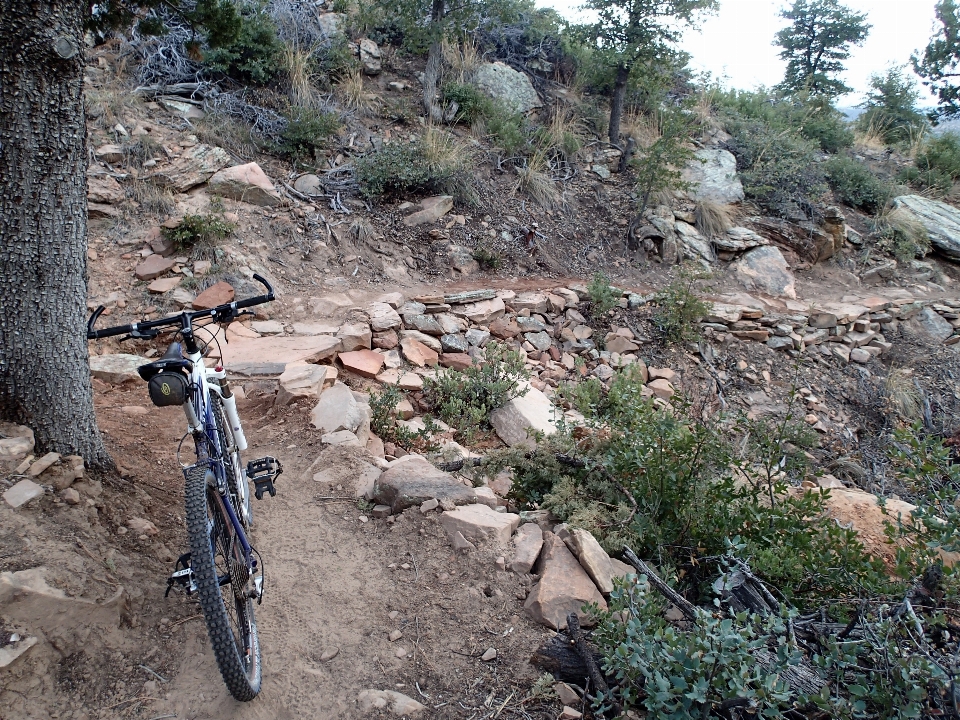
x=222, y=567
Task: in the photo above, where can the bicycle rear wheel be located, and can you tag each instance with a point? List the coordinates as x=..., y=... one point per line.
x=220, y=572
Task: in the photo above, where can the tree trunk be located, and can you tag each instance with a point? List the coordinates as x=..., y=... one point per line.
x=431, y=73
x=44, y=364
x=616, y=104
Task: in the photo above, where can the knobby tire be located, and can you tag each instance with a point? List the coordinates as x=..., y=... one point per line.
x=243, y=681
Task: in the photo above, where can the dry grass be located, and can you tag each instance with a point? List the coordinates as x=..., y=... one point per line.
x=462, y=58
x=871, y=139
x=903, y=234
x=152, y=198
x=217, y=129
x=903, y=397
x=349, y=91
x=137, y=152
x=297, y=68
x=445, y=151
x=713, y=219
x=642, y=128
x=109, y=105
x=564, y=133
x=534, y=182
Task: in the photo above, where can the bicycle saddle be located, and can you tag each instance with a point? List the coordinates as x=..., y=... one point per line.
x=172, y=360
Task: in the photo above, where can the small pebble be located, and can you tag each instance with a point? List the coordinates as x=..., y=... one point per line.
x=329, y=654
x=490, y=654
x=394, y=636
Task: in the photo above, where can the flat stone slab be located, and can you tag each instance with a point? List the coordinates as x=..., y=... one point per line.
x=365, y=363
x=337, y=409
x=480, y=524
x=153, y=267
x=116, y=369
x=533, y=411
x=564, y=587
x=528, y=542
x=411, y=482
x=22, y=493
x=280, y=350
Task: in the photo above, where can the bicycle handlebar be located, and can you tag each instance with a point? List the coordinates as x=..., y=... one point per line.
x=221, y=312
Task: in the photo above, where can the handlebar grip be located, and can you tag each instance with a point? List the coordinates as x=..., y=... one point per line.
x=266, y=283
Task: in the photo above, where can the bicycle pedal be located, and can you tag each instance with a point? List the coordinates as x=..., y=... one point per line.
x=263, y=472
x=182, y=576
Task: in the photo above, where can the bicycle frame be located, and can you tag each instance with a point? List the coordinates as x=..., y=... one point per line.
x=202, y=425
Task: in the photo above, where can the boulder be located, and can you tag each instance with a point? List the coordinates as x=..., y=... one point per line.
x=469, y=296
x=116, y=369
x=383, y=317
x=528, y=541
x=308, y=184
x=104, y=189
x=941, y=221
x=416, y=353
x=412, y=480
x=454, y=343
x=356, y=336
x=564, y=587
x=426, y=324
x=540, y=340
x=301, y=381
x=431, y=210
x=153, y=267
x=713, y=176
x=592, y=557
x=456, y=361
x=341, y=437
x=218, y=294
x=365, y=363
x=532, y=411
x=194, y=167
x=462, y=260
x=428, y=340
x=274, y=353
x=480, y=524
x=512, y=88
x=928, y=325
x=535, y=302
x=764, y=269
x=111, y=153
x=370, y=57
x=738, y=239
x=481, y=313
x=337, y=410
x=247, y=183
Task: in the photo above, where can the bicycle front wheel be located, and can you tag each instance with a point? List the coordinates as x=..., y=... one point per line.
x=223, y=585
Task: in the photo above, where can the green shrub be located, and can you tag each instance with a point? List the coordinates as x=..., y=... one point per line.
x=465, y=399
x=603, y=297
x=680, y=309
x=473, y=103
x=854, y=184
x=383, y=422
x=937, y=165
x=487, y=259
x=902, y=234
x=255, y=57
x=507, y=129
x=891, y=108
x=199, y=230
x=397, y=168
x=307, y=131
x=829, y=130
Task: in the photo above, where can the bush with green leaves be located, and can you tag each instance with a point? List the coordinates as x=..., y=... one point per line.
x=464, y=399
x=937, y=165
x=890, y=109
x=195, y=231
x=399, y=168
x=854, y=184
x=680, y=309
x=307, y=131
x=603, y=297
x=507, y=129
x=254, y=58
x=383, y=422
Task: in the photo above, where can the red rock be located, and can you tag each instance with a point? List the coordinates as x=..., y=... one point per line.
x=662, y=373
x=504, y=329
x=153, y=267
x=214, y=295
x=366, y=363
x=417, y=353
x=456, y=361
x=162, y=285
x=554, y=353
x=662, y=388
x=564, y=587
x=386, y=340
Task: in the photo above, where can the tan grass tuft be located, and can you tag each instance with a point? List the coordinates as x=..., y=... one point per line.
x=713, y=219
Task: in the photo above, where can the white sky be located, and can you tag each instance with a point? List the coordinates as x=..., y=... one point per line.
x=736, y=44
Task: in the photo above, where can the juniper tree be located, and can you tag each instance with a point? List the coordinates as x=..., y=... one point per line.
x=44, y=363
x=815, y=44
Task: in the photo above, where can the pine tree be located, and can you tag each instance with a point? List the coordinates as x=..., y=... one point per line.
x=44, y=362
x=815, y=44
x=940, y=64
x=891, y=107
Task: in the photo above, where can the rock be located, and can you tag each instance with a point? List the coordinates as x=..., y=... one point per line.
x=300, y=381
x=431, y=210
x=476, y=338
x=104, y=189
x=381, y=511
x=218, y=294
x=116, y=369
x=620, y=344
x=386, y=340
x=410, y=381
x=462, y=260
x=941, y=221
x=460, y=543
x=247, y=183
x=528, y=541
x=308, y=184
x=564, y=587
x=336, y=410
x=101, y=210
x=110, y=153
x=481, y=313
x=504, y=329
x=426, y=324
x=765, y=269
x=182, y=298
x=397, y=703
x=512, y=88
x=412, y=480
x=404, y=409
x=540, y=340
x=383, y=317
x=428, y=505
x=416, y=353
x=592, y=557
x=47, y=461
x=533, y=410
x=569, y=713
x=603, y=372
x=454, y=343
x=535, y=302
x=153, y=267
x=331, y=304
x=470, y=296
x=70, y=496
x=713, y=175
x=480, y=524
x=267, y=327
x=315, y=329
x=928, y=324
x=428, y=340
x=662, y=388
x=163, y=285
x=356, y=336
x=271, y=355
x=331, y=23
x=568, y=696
x=194, y=167
x=456, y=361
x=365, y=363
x=16, y=441
x=490, y=654
x=140, y=526
x=22, y=493
x=341, y=437
x=369, y=57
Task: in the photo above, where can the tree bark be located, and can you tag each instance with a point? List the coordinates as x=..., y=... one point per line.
x=431, y=73
x=616, y=104
x=44, y=363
